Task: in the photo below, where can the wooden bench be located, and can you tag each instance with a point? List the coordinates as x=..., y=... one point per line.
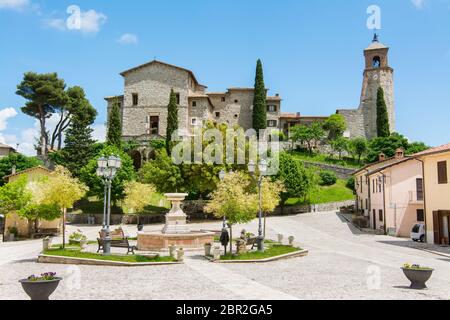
x=117, y=243
x=252, y=242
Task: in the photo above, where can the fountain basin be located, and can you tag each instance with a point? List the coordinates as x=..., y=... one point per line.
x=158, y=241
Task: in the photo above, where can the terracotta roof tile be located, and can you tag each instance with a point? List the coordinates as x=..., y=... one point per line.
x=443, y=148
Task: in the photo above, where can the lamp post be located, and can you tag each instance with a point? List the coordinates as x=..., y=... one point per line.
x=107, y=170
x=262, y=166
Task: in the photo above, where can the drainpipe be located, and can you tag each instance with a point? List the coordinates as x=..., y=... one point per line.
x=424, y=199
x=384, y=202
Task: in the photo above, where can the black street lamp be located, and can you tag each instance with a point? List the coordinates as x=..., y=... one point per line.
x=107, y=170
x=262, y=166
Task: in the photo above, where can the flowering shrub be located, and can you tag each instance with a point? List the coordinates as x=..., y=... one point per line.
x=48, y=276
x=77, y=237
x=415, y=267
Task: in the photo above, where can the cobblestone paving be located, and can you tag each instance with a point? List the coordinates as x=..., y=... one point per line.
x=342, y=264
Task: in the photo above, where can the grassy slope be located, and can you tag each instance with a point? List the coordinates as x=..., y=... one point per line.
x=324, y=158
x=324, y=194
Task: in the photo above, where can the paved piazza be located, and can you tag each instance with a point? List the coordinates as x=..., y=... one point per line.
x=342, y=264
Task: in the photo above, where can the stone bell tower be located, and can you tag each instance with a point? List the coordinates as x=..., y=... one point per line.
x=377, y=73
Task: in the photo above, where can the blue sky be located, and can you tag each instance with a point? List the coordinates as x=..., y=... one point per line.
x=311, y=51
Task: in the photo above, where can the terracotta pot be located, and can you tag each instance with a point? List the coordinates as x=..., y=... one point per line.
x=418, y=278
x=39, y=290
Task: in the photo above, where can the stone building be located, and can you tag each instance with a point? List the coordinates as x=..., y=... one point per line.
x=146, y=96
x=362, y=122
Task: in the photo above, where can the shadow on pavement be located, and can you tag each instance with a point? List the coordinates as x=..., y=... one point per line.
x=350, y=225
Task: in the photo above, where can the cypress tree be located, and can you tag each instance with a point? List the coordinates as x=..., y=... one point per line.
x=172, y=120
x=114, y=135
x=382, y=115
x=259, y=102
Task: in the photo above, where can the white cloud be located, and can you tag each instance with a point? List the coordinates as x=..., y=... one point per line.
x=5, y=115
x=99, y=133
x=14, y=4
x=419, y=4
x=87, y=22
x=128, y=38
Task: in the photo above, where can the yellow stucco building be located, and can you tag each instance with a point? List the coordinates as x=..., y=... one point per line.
x=12, y=220
x=436, y=162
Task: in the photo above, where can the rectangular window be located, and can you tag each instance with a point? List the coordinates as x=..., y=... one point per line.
x=380, y=213
x=223, y=99
x=442, y=172
x=217, y=114
x=367, y=204
x=373, y=185
x=194, y=103
x=361, y=183
x=154, y=125
x=420, y=215
x=178, y=98
x=419, y=189
x=194, y=121
x=135, y=99
x=272, y=108
x=272, y=123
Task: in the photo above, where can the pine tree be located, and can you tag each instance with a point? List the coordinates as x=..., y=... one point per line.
x=114, y=136
x=78, y=148
x=259, y=102
x=382, y=115
x=172, y=120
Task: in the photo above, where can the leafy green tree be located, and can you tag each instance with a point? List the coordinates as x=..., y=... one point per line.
x=311, y=135
x=259, y=101
x=416, y=147
x=79, y=144
x=298, y=181
x=35, y=212
x=162, y=173
x=270, y=196
x=358, y=147
x=339, y=145
x=88, y=174
x=17, y=160
x=383, y=129
x=137, y=197
x=386, y=145
x=233, y=200
x=172, y=120
x=14, y=196
x=45, y=93
x=60, y=192
x=335, y=125
x=114, y=134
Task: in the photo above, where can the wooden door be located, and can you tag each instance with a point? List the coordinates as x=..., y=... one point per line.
x=436, y=227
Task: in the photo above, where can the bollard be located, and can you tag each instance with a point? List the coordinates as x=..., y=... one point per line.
x=172, y=249
x=280, y=238
x=216, y=253
x=180, y=255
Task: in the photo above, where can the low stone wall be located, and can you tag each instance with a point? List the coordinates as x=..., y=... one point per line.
x=305, y=208
x=341, y=172
x=97, y=219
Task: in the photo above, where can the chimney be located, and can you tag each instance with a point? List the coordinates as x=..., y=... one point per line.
x=399, y=153
x=381, y=157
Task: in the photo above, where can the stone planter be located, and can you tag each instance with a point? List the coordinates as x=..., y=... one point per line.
x=172, y=250
x=140, y=227
x=208, y=247
x=418, y=277
x=83, y=244
x=291, y=241
x=40, y=290
x=216, y=253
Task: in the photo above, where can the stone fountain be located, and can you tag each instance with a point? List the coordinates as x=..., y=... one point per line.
x=175, y=232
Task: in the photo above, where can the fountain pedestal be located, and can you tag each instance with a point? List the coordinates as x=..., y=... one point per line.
x=175, y=232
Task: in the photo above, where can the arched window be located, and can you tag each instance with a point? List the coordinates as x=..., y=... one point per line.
x=376, y=62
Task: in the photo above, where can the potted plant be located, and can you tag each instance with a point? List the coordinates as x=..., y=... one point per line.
x=417, y=275
x=208, y=247
x=40, y=288
x=76, y=238
x=13, y=233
